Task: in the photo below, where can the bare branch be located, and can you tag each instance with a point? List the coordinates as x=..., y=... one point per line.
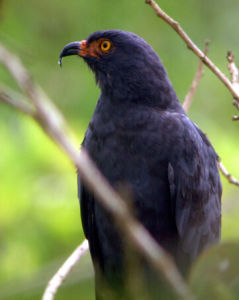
x=190, y=44
x=44, y=107
x=233, y=87
x=13, y=65
x=54, y=126
x=233, y=69
x=225, y=173
x=64, y=270
x=192, y=90
x=235, y=77
x=9, y=97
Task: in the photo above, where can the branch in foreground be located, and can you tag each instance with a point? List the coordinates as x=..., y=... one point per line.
x=64, y=270
x=10, y=98
x=54, y=126
x=190, y=44
x=224, y=171
x=192, y=90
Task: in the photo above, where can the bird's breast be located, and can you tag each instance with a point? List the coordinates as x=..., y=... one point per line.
x=132, y=155
x=127, y=151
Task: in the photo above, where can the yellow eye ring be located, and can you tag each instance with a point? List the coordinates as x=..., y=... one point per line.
x=105, y=45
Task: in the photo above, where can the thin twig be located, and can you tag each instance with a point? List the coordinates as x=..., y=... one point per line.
x=192, y=90
x=53, y=124
x=191, y=45
x=234, y=75
x=45, y=107
x=224, y=171
x=64, y=270
x=233, y=69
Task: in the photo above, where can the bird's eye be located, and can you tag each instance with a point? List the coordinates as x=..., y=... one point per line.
x=105, y=45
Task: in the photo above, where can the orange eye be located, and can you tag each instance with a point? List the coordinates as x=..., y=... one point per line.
x=105, y=45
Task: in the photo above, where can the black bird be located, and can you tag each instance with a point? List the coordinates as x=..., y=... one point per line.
x=141, y=138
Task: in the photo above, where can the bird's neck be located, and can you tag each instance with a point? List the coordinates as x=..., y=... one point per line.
x=151, y=91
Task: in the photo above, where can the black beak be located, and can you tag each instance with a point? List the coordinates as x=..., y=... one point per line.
x=70, y=49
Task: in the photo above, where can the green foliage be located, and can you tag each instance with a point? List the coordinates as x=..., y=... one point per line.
x=39, y=214
x=216, y=273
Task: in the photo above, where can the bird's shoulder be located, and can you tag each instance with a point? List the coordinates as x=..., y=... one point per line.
x=171, y=132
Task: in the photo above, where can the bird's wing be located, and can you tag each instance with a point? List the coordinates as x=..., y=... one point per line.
x=86, y=207
x=88, y=221
x=195, y=189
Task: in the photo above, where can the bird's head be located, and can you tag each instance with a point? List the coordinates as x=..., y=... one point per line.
x=125, y=66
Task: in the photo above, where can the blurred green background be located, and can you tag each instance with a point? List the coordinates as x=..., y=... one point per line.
x=39, y=213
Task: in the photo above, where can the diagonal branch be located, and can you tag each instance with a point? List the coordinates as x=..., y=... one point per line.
x=192, y=90
x=232, y=86
x=12, y=98
x=54, y=126
x=192, y=46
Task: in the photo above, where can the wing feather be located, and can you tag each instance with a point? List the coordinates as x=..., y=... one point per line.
x=193, y=174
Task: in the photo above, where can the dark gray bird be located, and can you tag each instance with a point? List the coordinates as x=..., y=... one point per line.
x=141, y=138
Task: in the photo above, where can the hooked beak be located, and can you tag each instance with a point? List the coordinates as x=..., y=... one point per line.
x=74, y=48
